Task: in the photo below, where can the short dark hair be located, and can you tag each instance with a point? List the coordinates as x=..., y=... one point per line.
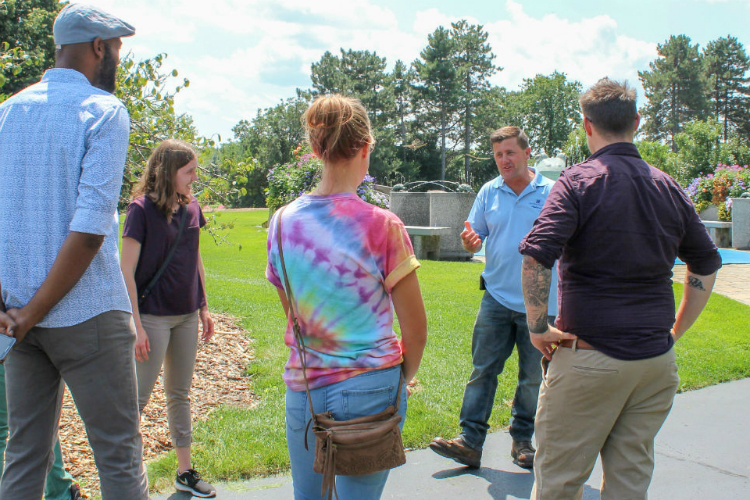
x=509, y=132
x=610, y=106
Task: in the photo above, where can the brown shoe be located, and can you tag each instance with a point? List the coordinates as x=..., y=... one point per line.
x=457, y=450
x=523, y=454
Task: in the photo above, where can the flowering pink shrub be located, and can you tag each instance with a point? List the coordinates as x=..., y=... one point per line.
x=727, y=182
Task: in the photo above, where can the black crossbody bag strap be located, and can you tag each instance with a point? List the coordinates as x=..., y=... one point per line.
x=151, y=284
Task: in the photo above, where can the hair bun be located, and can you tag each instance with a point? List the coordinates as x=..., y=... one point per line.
x=337, y=127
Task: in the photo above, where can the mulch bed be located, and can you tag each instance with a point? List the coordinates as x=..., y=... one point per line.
x=219, y=380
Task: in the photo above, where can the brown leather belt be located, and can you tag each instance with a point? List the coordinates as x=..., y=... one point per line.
x=582, y=344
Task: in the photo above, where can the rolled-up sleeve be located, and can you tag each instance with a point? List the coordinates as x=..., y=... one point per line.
x=555, y=225
x=477, y=217
x=101, y=173
x=399, y=255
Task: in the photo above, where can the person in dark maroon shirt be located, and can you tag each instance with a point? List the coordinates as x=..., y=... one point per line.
x=616, y=225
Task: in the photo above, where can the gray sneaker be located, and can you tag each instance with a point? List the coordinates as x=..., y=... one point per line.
x=191, y=482
x=458, y=450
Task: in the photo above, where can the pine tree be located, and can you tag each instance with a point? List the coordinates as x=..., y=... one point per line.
x=727, y=65
x=473, y=56
x=675, y=88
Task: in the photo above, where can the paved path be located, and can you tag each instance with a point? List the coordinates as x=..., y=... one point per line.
x=701, y=453
x=733, y=281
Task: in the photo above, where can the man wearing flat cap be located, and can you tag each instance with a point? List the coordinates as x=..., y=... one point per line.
x=64, y=142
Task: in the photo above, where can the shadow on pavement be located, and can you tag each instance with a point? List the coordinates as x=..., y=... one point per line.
x=504, y=484
x=179, y=495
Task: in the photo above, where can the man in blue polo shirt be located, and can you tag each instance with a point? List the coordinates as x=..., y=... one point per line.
x=503, y=212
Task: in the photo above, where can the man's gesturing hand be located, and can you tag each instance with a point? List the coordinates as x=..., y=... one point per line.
x=470, y=239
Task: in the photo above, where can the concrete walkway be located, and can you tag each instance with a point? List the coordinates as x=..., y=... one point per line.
x=702, y=451
x=732, y=281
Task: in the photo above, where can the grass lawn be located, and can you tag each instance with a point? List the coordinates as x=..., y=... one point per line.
x=237, y=443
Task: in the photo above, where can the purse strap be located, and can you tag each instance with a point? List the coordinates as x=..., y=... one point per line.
x=155, y=279
x=296, y=328
x=292, y=312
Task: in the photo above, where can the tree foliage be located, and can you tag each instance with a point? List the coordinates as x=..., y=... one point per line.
x=26, y=27
x=473, y=59
x=13, y=61
x=675, y=87
x=550, y=110
x=439, y=87
x=268, y=140
x=576, y=148
x=362, y=74
x=726, y=67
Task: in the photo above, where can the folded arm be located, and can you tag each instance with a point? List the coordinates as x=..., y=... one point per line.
x=74, y=257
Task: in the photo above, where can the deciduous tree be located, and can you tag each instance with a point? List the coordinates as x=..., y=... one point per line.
x=26, y=25
x=550, y=110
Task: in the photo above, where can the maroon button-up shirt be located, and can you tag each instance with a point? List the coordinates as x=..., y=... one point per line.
x=616, y=225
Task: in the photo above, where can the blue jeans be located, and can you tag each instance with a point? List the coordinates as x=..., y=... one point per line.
x=496, y=331
x=364, y=394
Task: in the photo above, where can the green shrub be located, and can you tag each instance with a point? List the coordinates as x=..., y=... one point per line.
x=289, y=181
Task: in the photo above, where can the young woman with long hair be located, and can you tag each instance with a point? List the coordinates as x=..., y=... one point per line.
x=166, y=320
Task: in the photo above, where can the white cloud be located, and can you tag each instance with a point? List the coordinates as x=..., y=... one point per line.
x=241, y=55
x=585, y=50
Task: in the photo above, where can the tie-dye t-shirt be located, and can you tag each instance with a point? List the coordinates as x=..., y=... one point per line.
x=343, y=257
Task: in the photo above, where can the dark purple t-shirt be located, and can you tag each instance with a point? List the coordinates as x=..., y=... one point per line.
x=179, y=290
x=616, y=224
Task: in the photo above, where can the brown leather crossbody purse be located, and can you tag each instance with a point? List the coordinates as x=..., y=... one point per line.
x=355, y=447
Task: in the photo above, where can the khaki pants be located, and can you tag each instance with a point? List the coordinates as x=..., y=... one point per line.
x=174, y=343
x=592, y=404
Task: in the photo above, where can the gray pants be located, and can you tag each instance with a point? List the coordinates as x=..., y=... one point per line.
x=174, y=342
x=96, y=360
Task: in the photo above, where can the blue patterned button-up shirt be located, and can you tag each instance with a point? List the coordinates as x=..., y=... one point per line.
x=62, y=152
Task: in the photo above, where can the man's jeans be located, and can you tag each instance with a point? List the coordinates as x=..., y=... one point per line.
x=496, y=331
x=97, y=362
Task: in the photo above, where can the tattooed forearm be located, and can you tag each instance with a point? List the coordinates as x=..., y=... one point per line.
x=696, y=283
x=536, y=281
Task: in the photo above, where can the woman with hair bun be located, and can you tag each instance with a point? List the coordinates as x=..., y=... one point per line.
x=350, y=265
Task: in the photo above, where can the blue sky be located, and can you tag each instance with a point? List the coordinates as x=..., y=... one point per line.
x=241, y=55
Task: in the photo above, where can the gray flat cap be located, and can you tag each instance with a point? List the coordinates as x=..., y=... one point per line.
x=78, y=23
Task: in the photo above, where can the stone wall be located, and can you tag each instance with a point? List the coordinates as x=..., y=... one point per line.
x=437, y=209
x=741, y=223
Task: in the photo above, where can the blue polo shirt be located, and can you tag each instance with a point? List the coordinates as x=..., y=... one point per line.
x=502, y=219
